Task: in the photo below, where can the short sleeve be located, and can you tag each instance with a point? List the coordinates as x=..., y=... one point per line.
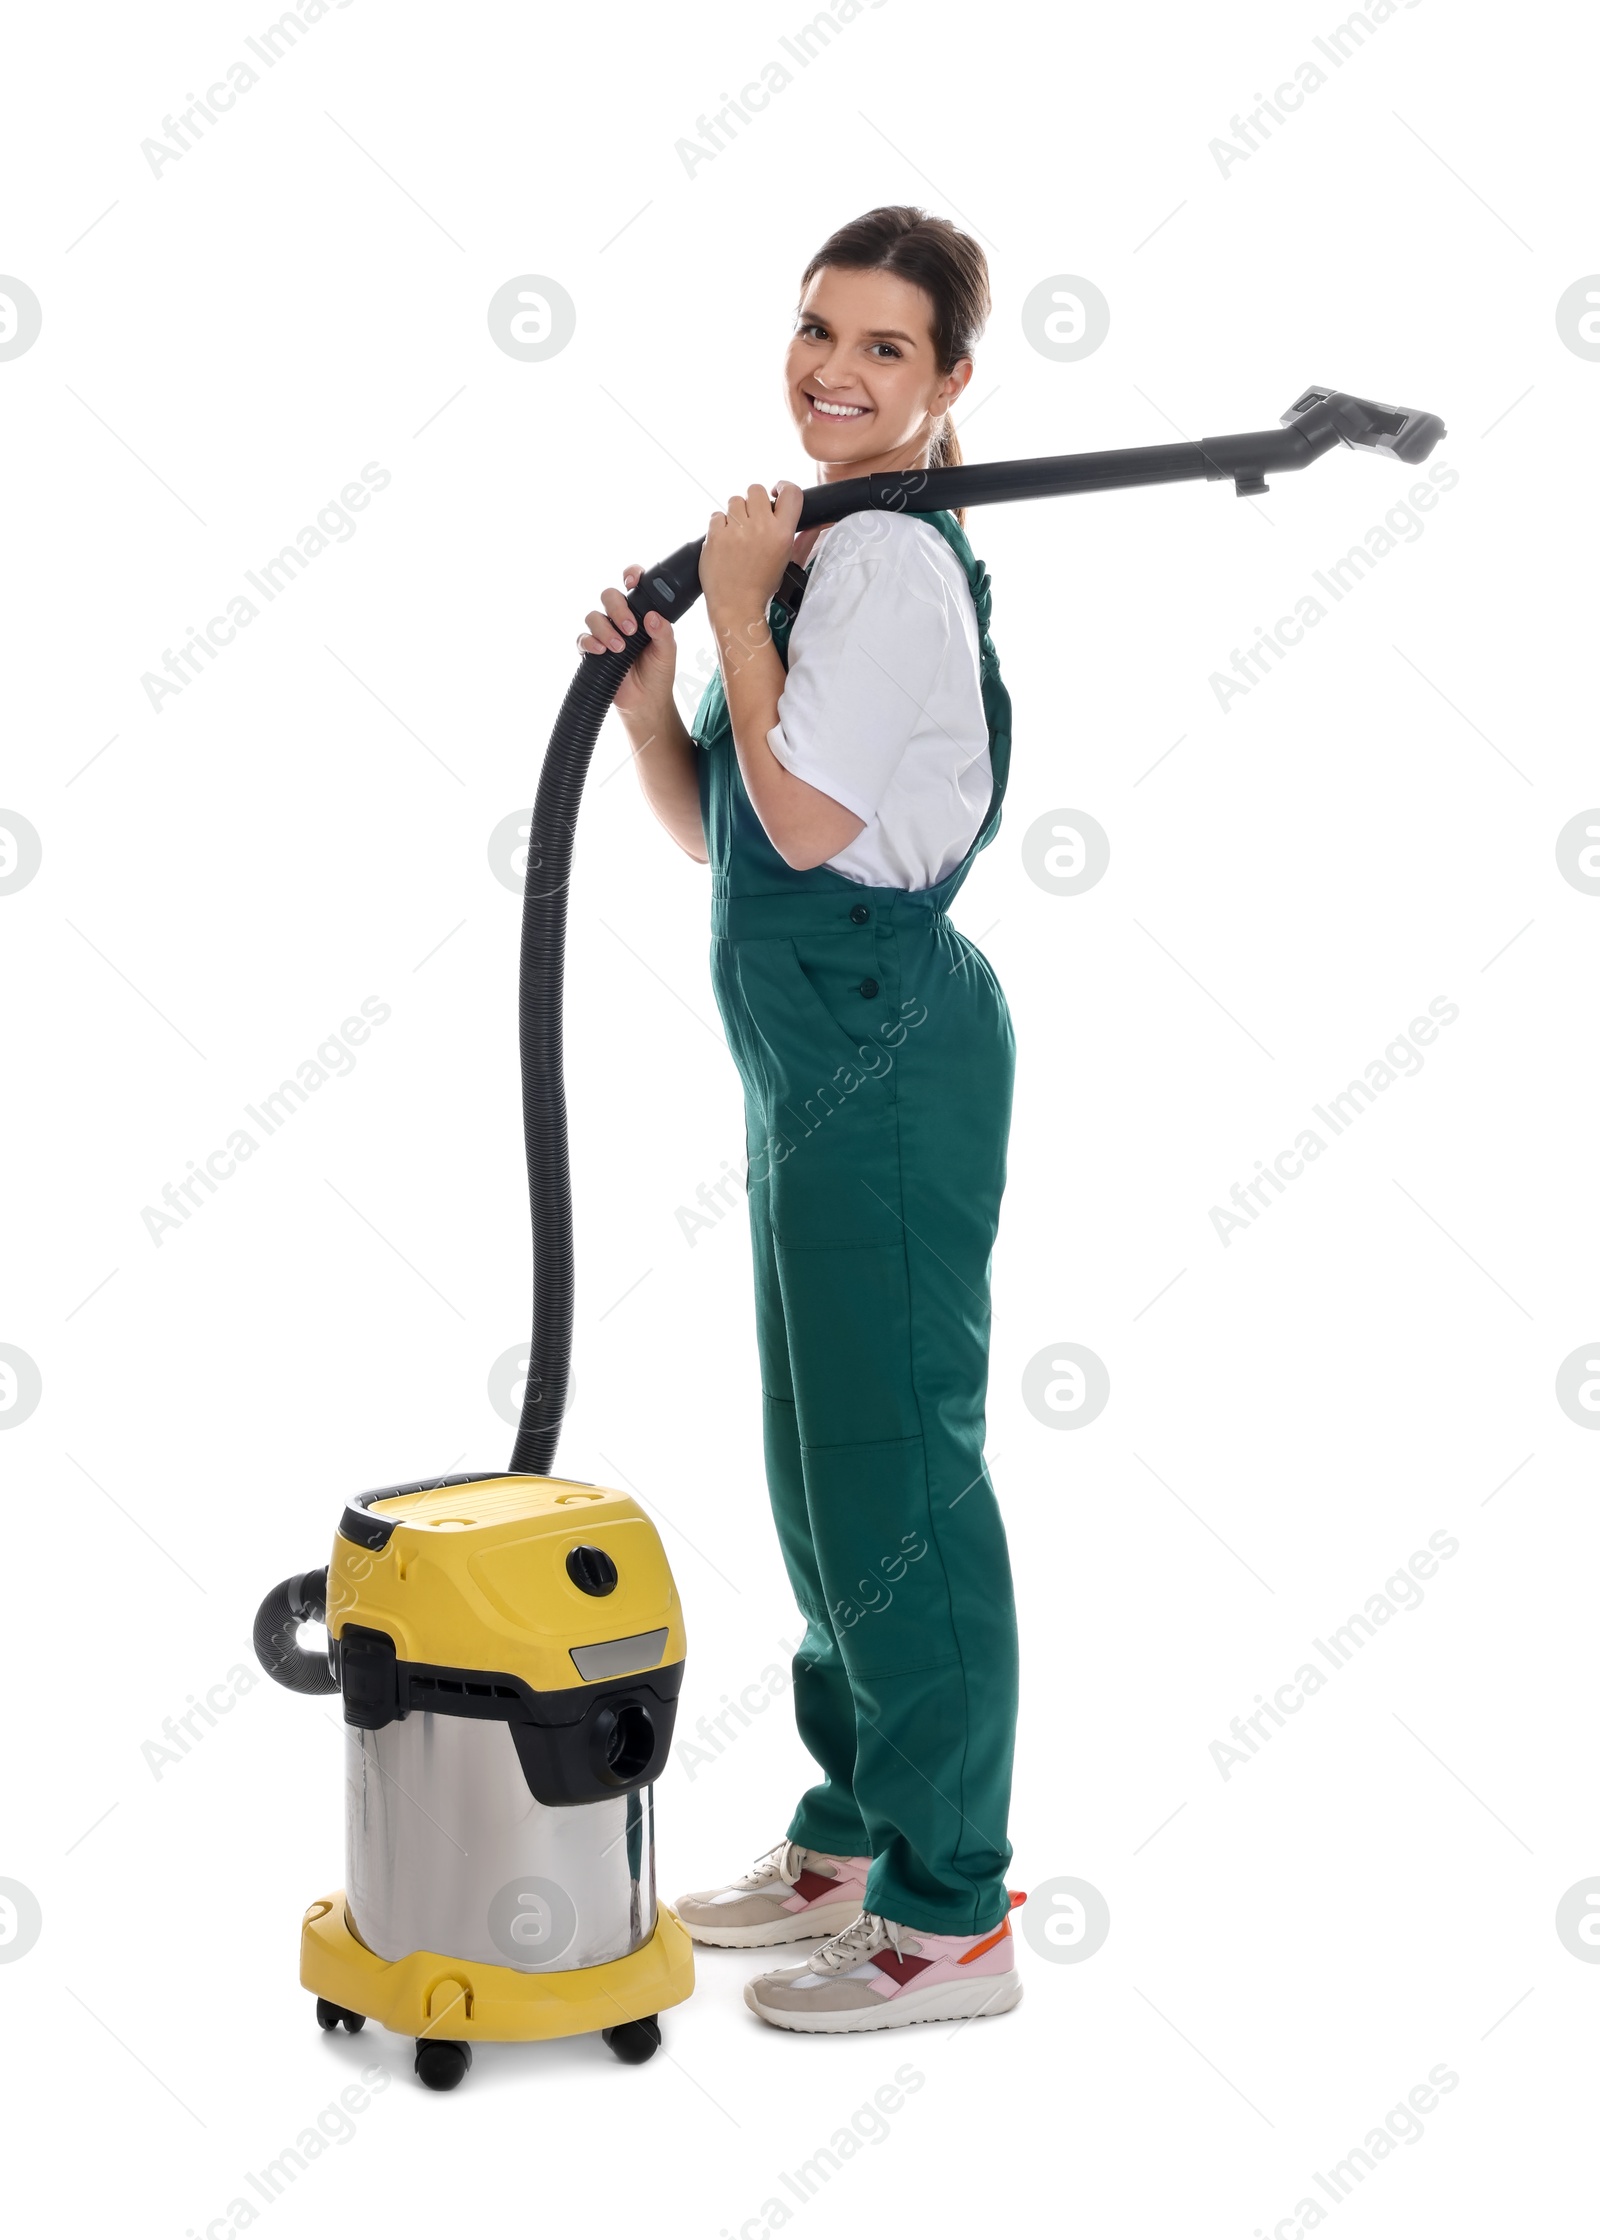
x=874, y=631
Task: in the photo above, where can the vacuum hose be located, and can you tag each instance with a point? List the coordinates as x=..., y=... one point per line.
x=299, y=1601
x=1318, y=419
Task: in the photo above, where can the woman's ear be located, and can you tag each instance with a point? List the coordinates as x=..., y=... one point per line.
x=954, y=382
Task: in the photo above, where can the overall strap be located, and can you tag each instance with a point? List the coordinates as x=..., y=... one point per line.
x=996, y=699
x=792, y=589
x=741, y=850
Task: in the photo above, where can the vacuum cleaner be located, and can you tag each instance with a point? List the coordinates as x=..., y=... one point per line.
x=509, y=1645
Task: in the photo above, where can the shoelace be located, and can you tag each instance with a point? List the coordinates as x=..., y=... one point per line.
x=783, y=1860
x=867, y=1934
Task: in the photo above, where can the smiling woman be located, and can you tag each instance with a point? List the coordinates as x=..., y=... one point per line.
x=883, y=356
x=844, y=768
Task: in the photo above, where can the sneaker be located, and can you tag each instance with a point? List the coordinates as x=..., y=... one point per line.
x=789, y=1894
x=876, y=1974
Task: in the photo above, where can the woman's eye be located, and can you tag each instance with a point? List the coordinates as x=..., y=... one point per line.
x=889, y=346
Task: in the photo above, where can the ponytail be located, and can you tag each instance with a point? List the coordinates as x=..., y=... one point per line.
x=946, y=452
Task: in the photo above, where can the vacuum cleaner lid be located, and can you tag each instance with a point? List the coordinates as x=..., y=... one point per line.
x=549, y=1579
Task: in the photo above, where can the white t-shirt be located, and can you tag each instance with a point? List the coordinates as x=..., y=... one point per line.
x=882, y=708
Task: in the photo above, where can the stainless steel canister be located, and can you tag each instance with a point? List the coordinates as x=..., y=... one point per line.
x=447, y=1850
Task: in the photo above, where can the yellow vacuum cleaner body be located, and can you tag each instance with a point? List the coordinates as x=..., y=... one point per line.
x=508, y=1649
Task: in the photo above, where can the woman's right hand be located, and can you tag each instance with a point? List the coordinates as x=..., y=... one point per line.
x=649, y=682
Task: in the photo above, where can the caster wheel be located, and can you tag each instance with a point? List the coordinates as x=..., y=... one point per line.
x=634, y=2042
x=329, y=2017
x=442, y=2062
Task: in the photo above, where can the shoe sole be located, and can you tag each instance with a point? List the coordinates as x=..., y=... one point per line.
x=794, y=1928
x=945, y=2002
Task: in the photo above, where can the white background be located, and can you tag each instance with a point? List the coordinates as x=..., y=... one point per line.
x=307, y=825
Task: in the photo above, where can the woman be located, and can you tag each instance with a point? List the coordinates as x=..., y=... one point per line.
x=844, y=768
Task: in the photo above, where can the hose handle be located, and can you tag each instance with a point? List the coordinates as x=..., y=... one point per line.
x=302, y=1600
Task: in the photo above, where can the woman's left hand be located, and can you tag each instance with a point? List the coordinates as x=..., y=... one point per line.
x=747, y=549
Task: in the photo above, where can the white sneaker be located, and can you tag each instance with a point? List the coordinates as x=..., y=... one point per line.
x=878, y=1974
x=789, y=1894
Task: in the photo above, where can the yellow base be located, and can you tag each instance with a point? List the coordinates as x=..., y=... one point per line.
x=428, y=1996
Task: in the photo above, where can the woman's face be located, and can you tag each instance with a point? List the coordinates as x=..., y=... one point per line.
x=862, y=375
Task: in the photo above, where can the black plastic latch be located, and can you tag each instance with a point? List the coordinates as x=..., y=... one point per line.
x=368, y=1678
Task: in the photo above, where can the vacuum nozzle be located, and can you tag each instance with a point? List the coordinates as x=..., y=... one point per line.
x=1366, y=426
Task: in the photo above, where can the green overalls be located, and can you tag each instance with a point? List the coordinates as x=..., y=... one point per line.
x=876, y=1053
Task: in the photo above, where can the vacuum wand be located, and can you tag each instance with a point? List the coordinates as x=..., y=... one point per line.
x=1317, y=421
x=1313, y=424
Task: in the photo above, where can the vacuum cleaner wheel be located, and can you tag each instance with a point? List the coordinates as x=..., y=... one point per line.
x=329, y=2016
x=442, y=2062
x=634, y=2042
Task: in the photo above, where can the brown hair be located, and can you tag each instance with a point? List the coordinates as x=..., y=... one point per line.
x=935, y=256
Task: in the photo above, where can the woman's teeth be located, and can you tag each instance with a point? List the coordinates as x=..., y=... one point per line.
x=837, y=411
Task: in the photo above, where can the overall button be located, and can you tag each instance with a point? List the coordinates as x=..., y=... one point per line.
x=860, y=914
x=869, y=987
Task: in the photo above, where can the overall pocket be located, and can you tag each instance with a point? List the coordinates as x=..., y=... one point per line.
x=807, y=1007
x=855, y=979
x=830, y=1106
